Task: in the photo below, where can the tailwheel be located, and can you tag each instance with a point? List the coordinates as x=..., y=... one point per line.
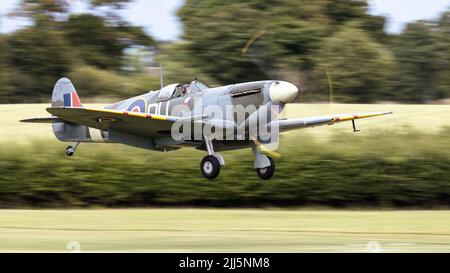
x=210, y=167
x=70, y=151
x=267, y=172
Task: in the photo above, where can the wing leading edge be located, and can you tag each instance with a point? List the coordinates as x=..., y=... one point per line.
x=292, y=124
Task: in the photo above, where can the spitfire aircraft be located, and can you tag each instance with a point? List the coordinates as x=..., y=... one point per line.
x=148, y=121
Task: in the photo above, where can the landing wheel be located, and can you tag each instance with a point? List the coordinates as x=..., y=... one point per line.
x=210, y=167
x=70, y=151
x=267, y=172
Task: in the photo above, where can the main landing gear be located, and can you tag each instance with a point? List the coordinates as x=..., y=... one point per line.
x=264, y=165
x=210, y=167
x=211, y=164
x=267, y=172
x=70, y=150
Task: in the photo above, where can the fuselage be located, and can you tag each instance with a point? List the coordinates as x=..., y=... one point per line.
x=226, y=107
x=166, y=100
x=198, y=99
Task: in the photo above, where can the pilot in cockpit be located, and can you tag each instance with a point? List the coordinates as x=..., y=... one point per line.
x=181, y=90
x=188, y=88
x=185, y=89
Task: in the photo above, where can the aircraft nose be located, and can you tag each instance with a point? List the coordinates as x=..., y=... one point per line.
x=281, y=91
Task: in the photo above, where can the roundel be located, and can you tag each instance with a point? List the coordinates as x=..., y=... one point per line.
x=137, y=106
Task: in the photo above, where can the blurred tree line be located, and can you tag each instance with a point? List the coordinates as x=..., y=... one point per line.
x=322, y=46
x=318, y=45
x=89, y=48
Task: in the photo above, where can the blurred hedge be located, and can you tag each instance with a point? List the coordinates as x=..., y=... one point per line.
x=382, y=169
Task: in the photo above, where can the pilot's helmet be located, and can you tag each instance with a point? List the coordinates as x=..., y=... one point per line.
x=186, y=88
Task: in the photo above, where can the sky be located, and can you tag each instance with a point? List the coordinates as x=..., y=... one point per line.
x=159, y=18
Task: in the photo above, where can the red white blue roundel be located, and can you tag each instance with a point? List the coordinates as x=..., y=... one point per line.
x=137, y=106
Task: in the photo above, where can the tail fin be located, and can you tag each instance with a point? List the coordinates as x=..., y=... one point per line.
x=64, y=94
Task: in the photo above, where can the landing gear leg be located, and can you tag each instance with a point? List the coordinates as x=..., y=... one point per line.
x=210, y=165
x=70, y=150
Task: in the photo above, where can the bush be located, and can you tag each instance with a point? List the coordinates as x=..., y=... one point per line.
x=385, y=170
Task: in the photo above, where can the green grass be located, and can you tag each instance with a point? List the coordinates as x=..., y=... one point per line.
x=212, y=230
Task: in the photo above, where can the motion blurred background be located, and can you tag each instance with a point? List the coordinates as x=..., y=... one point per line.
x=112, y=48
x=337, y=52
x=345, y=56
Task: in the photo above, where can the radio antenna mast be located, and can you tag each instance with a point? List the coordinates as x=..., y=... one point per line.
x=161, y=71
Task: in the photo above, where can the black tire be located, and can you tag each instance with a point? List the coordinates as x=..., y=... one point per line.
x=267, y=172
x=69, y=151
x=210, y=167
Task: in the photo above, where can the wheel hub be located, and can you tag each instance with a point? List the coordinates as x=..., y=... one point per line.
x=207, y=167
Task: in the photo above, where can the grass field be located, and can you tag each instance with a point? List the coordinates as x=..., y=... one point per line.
x=423, y=118
x=208, y=230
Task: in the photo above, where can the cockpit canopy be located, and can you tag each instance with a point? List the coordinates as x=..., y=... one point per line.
x=167, y=91
x=178, y=90
x=196, y=86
